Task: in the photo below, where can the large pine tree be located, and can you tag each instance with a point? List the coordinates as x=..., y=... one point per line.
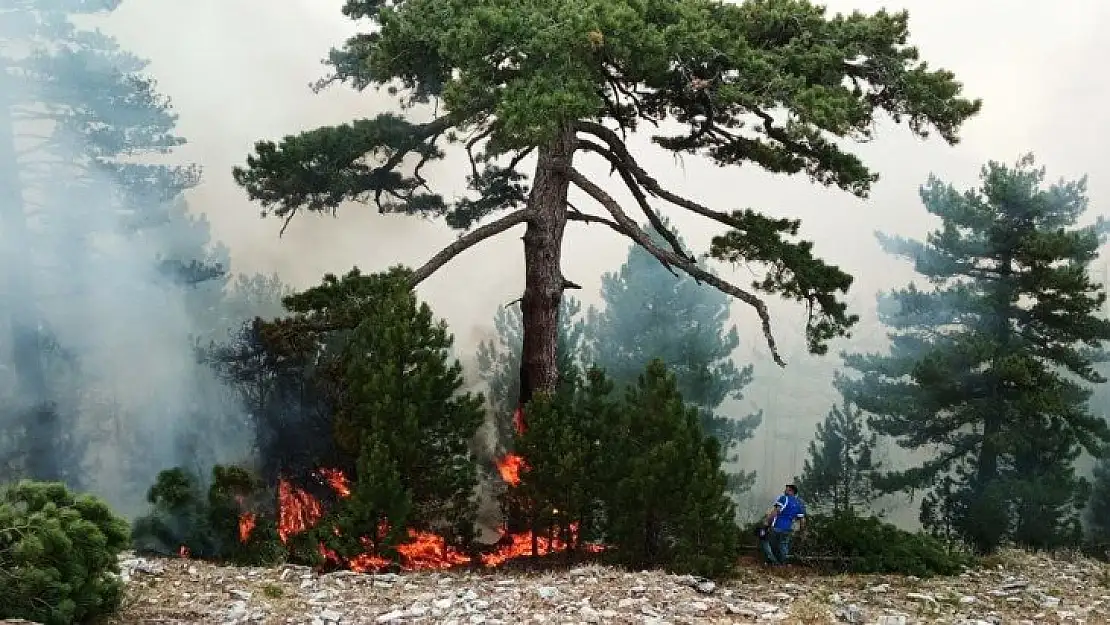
x=989, y=366
x=651, y=313
x=776, y=83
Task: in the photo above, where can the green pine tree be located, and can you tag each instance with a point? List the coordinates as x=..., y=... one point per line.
x=667, y=505
x=388, y=375
x=59, y=555
x=652, y=313
x=563, y=81
x=991, y=364
x=837, y=475
x=375, y=517
x=1098, y=507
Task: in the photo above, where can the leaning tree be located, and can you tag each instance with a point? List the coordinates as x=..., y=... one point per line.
x=778, y=83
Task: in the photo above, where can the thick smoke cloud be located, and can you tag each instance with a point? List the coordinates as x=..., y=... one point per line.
x=96, y=294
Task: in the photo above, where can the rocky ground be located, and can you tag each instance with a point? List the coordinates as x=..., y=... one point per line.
x=1013, y=588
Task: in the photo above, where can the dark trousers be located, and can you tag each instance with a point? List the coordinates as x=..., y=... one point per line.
x=776, y=546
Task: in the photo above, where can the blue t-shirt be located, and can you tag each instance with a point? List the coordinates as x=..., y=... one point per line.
x=789, y=508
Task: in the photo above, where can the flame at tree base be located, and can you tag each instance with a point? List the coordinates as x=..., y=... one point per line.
x=299, y=511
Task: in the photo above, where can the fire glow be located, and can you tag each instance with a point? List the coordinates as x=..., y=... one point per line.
x=299, y=511
x=510, y=465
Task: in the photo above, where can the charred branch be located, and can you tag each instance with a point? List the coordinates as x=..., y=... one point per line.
x=629, y=228
x=467, y=241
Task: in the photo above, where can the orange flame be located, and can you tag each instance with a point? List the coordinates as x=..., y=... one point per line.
x=298, y=511
x=338, y=482
x=247, y=522
x=509, y=466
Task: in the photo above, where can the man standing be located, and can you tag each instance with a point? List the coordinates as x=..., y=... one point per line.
x=780, y=524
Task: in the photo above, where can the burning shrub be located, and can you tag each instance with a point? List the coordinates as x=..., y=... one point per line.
x=666, y=495
x=868, y=545
x=219, y=526
x=639, y=474
x=555, y=471
x=58, y=554
x=373, y=519
x=399, y=424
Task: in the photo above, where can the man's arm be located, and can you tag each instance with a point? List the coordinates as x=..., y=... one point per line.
x=779, y=504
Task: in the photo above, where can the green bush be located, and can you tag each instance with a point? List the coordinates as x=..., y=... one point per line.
x=58, y=554
x=868, y=545
x=208, y=526
x=666, y=500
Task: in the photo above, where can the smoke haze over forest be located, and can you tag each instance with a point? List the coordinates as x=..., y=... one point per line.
x=239, y=71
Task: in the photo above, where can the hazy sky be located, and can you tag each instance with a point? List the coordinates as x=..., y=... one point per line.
x=238, y=71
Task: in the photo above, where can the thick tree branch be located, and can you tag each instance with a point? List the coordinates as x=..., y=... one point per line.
x=577, y=215
x=630, y=229
x=637, y=191
x=467, y=241
x=620, y=151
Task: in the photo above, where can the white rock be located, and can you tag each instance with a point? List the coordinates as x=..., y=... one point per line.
x=589, y=615
x=696, y=606
x=390, y=617
x=851, y=614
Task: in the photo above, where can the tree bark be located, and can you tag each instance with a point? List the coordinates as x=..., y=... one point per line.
x=32, y=403
x=543, y=276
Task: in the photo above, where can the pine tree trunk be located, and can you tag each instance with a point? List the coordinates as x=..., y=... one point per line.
x=32, y=403
x=543, y=277
x=995, y=420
